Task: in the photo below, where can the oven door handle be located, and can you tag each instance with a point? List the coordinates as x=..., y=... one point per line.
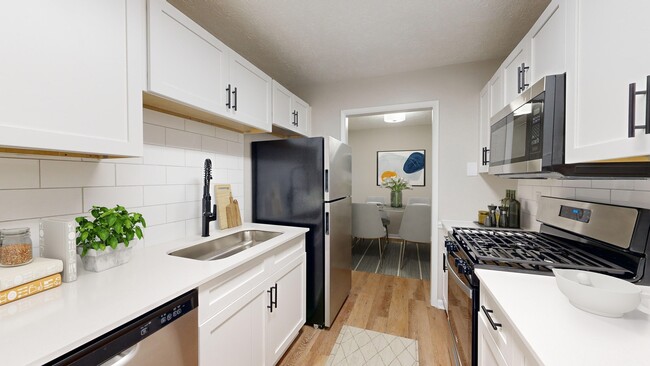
x=466, y=289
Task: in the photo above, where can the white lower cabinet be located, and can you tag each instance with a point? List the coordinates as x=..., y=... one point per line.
x=251, y=315
x=498, y=342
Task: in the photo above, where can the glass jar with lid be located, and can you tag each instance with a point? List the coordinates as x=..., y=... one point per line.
x=15, y=247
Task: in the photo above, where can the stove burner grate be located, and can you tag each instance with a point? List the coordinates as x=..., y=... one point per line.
x=530, y=250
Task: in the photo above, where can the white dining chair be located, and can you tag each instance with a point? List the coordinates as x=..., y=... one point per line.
x=415, y=227
x=366, y=224
x=380, y=202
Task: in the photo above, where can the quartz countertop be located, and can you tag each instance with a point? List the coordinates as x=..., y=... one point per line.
x=557, y=333
x=44, y=326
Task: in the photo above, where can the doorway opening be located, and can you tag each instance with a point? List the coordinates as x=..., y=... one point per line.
x=376, y=144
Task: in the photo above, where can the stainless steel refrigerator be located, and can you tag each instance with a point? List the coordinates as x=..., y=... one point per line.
x=307, y=182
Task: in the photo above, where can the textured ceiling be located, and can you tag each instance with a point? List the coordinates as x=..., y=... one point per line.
x=377, y=121
x=301, y=42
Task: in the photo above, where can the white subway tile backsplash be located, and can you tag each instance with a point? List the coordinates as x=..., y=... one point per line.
x=613, y=184
x=563, y=192
x=197, y=158
x=153, y=215
x=631, y=198
x=154, y=235
x=19, y=173
x=183, y=139
x=159, y=155
x=183, y=211
x=163, y=119
x=200, y=128
x=111, y=196
x=593, y=195
x=641, y=185
x=156, y=195
x=153, y=134
x=229, y=135
x=60, y=174
x=33, y=203
x=576, y=183
x=184, y=175
x=140, y=175
x=165, y=185
x=215, y=145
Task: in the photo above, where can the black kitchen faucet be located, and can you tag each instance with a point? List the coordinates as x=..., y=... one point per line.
x=209, y=212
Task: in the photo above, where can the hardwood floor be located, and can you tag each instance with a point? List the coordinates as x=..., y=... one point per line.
x=388, y=304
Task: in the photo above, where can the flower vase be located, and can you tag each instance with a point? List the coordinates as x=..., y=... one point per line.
x=395, y=198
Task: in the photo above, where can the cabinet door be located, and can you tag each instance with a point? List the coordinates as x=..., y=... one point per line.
x=547, y=45
x=251, y=93
x=72, y=75
x=489, y=353
x=496, y=93
x=302, y=114
x=236, y=336
x=606, y=51
x=186, y=63
x=514, y=83
x=288, y=315
x=484, y=129
x=282, y=108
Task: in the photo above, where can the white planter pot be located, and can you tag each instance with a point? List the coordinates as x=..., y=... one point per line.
x=101, y=260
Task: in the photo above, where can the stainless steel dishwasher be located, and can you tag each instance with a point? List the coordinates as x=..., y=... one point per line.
x=167, y=335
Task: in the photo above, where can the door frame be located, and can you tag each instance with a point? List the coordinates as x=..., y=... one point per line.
x=433, y=106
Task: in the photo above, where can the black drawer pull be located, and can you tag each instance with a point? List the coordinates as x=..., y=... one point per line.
x=487, y=312
x=631, y=120
x=484, y=159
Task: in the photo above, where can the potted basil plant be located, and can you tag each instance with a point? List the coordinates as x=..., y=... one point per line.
x=104, y=242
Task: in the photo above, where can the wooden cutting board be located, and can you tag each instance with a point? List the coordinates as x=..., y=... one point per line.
x=228, y=213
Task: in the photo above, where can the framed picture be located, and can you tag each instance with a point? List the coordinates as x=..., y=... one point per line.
x=408, y=164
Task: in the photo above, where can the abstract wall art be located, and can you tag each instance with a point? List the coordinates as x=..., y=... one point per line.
x=408, y=164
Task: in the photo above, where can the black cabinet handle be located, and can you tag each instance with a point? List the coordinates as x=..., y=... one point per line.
x=518, y=79
x=271, y=302
x=234, y=104
x=484, y=156
x=276, y=295
x=487, y=314
x=444, y=262
x=631, y=120
x=296, y=119
x=524, y=85
x=228, y=92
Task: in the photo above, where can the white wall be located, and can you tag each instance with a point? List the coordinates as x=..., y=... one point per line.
x=457, y=89
x=635, y=193
x=165, y=185
x=366, y=143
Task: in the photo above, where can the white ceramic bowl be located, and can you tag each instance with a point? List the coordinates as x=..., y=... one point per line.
x=597, y=293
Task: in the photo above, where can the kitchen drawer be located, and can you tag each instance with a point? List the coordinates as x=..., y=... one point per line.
x=502, y=336
x=284, y=254
x=217, y=294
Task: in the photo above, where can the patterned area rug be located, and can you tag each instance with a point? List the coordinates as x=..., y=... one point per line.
x=357, y=347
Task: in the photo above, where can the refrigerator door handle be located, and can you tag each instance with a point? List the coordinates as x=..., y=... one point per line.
x=327, y=180
x=327, y=223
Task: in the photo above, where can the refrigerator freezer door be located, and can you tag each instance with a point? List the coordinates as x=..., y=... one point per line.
x=338, y=256
x=338, y=169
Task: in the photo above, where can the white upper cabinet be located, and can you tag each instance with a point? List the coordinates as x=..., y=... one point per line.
x=516, y=71
x=72, y=74
x=547, y=43
x=190, y=67
x=251, y=91
x=186, y=63
x=290, y=112
x=497, y=100
x=484, y=130
x=606, y=52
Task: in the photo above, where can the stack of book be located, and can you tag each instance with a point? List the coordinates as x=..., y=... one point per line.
x=22, y=281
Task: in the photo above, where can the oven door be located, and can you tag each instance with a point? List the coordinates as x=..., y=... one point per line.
x=462, y=313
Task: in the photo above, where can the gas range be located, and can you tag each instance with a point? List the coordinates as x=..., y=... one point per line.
x=578, y=235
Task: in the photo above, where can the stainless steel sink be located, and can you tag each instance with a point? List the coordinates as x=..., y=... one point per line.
x=225, y=246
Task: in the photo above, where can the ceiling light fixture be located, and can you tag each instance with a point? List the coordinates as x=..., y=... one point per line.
x=394, y=117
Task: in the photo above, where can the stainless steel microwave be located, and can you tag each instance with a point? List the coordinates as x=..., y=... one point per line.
x=527, y=139
x=527, y=136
